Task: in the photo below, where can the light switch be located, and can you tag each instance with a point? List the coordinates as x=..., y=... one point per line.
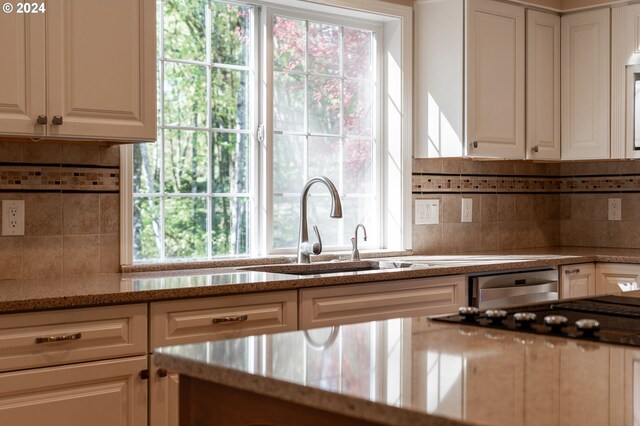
x=467, y=209
x=427, y=212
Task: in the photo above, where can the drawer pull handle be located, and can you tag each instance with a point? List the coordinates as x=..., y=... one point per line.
x=236, y=318
x=63, y=338
x=572, y=271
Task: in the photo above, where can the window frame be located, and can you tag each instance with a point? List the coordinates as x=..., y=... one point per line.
x=395, y=81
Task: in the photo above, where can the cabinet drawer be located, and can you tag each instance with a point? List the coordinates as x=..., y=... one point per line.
x=45, y=338
x=321, y=307
x=102, y=393
x=197, y=320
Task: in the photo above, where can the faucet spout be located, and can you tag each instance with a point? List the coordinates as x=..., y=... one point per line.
x=305, y=249
x=355, y=253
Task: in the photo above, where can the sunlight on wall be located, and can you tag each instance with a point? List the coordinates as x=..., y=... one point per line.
x=393, y=129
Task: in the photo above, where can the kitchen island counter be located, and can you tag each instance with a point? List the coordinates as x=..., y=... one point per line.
x=411, y=371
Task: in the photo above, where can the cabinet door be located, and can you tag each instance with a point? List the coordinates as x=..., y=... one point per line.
x=101, y=69
x=585, y=85
x=22, y=74
x=543, y=86
x=614, y=278
x=163, y=396
x=495, y=78
x=108, y=393
x=578, y=280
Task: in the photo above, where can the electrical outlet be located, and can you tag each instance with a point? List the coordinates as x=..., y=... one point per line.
x=615, y=209
x=467, y=209
x=427, y=212
x=12, y=217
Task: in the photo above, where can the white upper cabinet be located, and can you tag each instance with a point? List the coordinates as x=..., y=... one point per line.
x=22, y=87
x=585, y=85
x=625, y=81
x=94, y=63
x=495, y=79
x=439, y=62
x=470, y=90
x=543, y=86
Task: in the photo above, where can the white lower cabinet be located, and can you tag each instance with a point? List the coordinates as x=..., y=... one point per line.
x=102, y=393
x=577, y=280
x=74, y=367
x=616, y=278
x=163, y=396
x=327, y=306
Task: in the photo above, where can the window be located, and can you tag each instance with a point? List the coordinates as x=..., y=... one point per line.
x=210, y=187
x=192, y=190
x=325, y=103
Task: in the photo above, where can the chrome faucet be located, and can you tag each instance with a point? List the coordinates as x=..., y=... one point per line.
x=305, y=248
x=355, y=254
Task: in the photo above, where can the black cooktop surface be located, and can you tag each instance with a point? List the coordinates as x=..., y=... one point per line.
x=618, y=319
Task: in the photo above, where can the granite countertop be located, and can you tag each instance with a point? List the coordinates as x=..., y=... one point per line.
x=413, y=371
x=94, y=290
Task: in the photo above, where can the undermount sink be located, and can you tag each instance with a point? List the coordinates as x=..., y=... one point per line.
x=322, y=268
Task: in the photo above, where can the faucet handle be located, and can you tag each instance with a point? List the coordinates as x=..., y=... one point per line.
x=317, y=247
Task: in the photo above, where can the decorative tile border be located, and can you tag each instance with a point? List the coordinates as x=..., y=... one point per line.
x=64, y=178
x=438, y=183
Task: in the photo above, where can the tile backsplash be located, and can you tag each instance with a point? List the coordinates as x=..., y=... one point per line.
x=72, y=209
x=519, y=204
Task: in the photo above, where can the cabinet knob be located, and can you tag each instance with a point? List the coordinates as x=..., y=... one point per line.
x=57, y=120
x=474, y=144
x=42, y=119
x=144, y=374
x=535, y=149
x=162, y=372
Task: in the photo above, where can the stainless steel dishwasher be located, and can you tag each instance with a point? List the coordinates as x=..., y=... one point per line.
x=513, y=288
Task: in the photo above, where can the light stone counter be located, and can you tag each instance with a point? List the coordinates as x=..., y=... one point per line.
x=95, y=290
x=414, y=371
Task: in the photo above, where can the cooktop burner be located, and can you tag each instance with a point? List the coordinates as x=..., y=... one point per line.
x=606, y=319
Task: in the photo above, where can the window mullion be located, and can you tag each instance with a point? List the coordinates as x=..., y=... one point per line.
x=342, y=139
x=210, y=135
x=160, y=146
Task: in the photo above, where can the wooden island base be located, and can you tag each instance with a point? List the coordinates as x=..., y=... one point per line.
x=206, y=403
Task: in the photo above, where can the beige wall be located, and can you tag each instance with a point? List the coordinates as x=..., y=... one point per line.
x=501, y=220
x=580, y=4
x=553, y=4
x=403, y=2
x=527, y=204
x=70, y=231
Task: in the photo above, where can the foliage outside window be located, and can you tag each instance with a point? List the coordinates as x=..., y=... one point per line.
x=193, y=192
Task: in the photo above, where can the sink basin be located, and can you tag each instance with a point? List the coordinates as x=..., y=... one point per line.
x=323, y=268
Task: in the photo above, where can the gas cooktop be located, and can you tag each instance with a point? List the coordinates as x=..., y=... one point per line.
x=605, y=319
